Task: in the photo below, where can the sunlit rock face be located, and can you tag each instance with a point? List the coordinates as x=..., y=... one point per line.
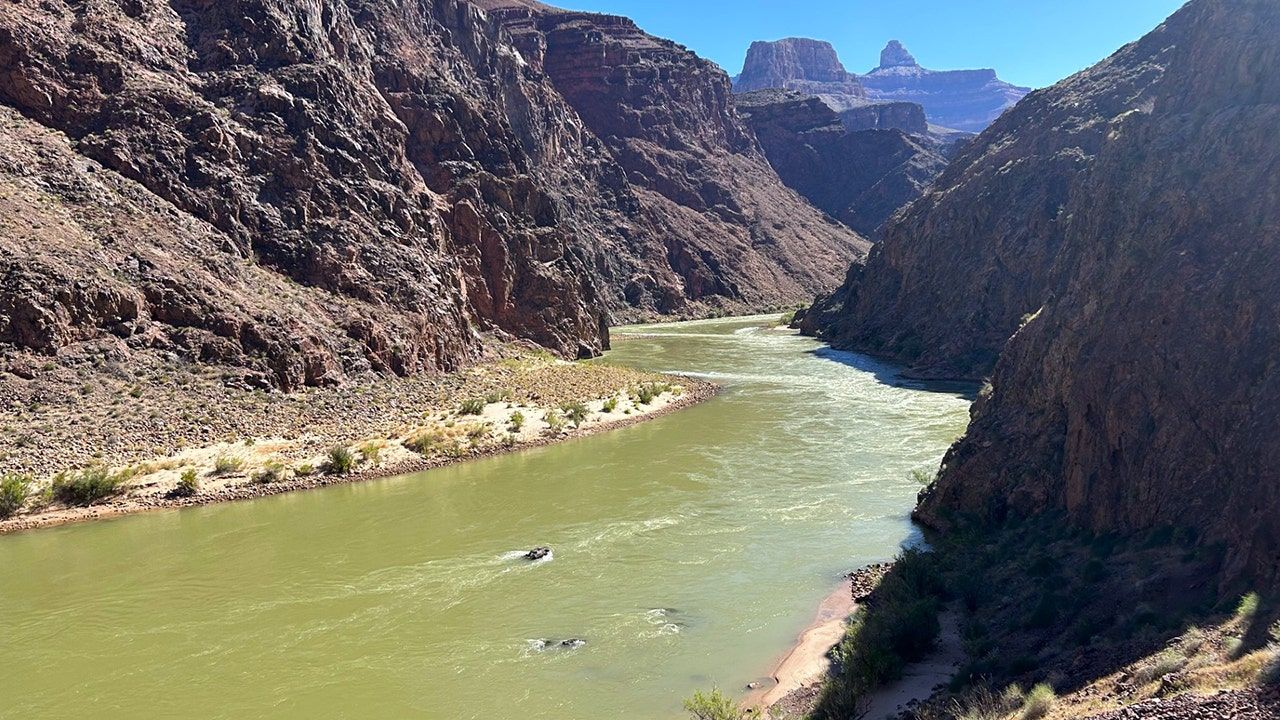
x=968, y=100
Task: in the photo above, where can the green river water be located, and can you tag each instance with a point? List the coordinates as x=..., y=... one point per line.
x=689, y=552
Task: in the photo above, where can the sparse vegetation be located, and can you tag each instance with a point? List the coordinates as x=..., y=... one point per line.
x=899, y=628
x=610, y=405
x=516, y=422
x=1248, y=607
x=555, y=422
x=922, y=477
x=646, y=393
x=88, y=486
x=341, y=461
x=188, y=484
x=497, y=396
x=424, y=442
x=1039, y=702
x=714, y=705
x=305, y=470
x=227, y=465
x=14, y=490
x=372, y=451
x=575, y=413
x=474, y=406
x=478, y=433
x=272, y=472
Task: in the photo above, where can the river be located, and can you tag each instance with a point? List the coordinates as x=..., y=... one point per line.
x=688, y=552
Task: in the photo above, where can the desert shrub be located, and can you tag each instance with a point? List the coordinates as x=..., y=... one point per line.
x=555, y=422
x=371, y=451
x=227, y=465
x=188, y=484
x=474, y=406
x=714, y=705
x=272, y=472
x=341, y=461
x=1039, y=702
x=305, y=470
x=14, y=490
x=646, y=393
x=424, y=442
x=1167, y=662
x=88, y=486
x=516, y=422
x=477, y=433
x=921, y=477
x=899, y=628
x=575, y=413
x=983, y=704
x=610, y=405
x=497, y=396
x=1248, y=607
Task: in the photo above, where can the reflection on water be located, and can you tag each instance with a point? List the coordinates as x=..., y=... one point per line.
x=688, y=551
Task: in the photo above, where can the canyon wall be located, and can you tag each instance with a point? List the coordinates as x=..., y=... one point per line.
x=1121, y=230
x=860, y=178
x=318, y=188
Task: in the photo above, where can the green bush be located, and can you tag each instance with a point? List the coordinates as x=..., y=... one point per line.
x=648, y=392
x=227, y=465
x=88, y=486
x=555, y=422
x=474, y=406
x=371, y=451
x=714, y=705
x=477, y=433
x=305, y=470
x=272, y=472
x=14, y=490
x=1248, y=607
x=516, y=421
x=1039, y=702
x=922, y=477
x=188, y=484
x=610, y=405
x=575, y=413
x=899, y=628
x=497, y=396
x=424, y=442
x=341, y=461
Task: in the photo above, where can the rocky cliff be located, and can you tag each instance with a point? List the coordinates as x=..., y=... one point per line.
x=968, y=100
x=308, y=190
x=802, y=64
x=1127, y=220
x=860, y=178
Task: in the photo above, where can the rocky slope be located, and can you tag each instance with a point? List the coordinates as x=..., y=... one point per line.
x=860, y=178
x=1144, y=392
x=968, y=100
x=1124, y=228
x=311, y=190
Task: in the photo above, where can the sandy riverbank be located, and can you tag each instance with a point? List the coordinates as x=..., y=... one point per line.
x=797, y=678
x=392, y=427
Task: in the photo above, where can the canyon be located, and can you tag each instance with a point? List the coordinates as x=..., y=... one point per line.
x=304, y=193
x=1101, y=254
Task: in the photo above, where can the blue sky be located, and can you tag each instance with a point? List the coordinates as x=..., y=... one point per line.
x=1030, y=42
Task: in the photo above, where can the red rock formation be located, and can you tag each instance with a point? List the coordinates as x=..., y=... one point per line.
x=1143, y=391
x=405, y=166
x=809, y=66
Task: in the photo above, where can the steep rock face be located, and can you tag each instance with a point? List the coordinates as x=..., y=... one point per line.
x=907, y=117
x=968, y=100
x=860, y=178
x=810, y=66
x=1145, y=392
x=959, y=270
x=708, y=202
x=399, y=161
